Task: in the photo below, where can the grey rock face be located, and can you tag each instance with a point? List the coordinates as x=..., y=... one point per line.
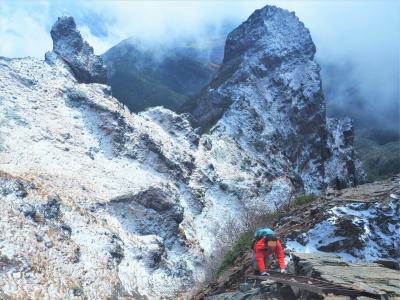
x=367, y=277
x=268, y=95
x=357, y=231
x=161, y=205
x=342, y=168
x=71, y=47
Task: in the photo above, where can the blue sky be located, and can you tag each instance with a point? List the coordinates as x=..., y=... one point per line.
x=339, y=25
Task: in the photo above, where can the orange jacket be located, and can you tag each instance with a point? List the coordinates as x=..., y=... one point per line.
x=264, y=248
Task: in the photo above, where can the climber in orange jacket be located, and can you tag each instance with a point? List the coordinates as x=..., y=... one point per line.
x=264, y=248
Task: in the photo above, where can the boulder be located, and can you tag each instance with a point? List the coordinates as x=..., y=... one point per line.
x=76, y=52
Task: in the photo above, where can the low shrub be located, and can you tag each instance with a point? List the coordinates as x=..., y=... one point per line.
x=304, y=199
x=242, y=244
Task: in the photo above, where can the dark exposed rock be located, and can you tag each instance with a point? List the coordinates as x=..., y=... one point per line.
x=117, y=254
x=77, y=291
x=28, y=210
x=7, y=264
x=49, y=244
x=154, y=211
x=155, y=255
x=157, y=198
x=16, y=187
x=66, y=230
x=51, y=209
x=39, y=238
x=76, y=256
x=207, y=144
x=391, y=264
x=77, y=53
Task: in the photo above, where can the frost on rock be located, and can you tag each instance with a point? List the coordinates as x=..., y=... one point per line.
x=99, y=202
x=342, y=169
x=268, y=97
x=356, y=232
x=70, y=46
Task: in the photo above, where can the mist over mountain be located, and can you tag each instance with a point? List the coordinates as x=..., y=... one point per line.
x=124, y=204
x=357, y=45
x=143, y=78
x=375, y=110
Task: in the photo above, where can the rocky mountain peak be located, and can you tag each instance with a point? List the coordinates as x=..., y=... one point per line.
x=275, y=31
x=268, y=96
x=69, y=44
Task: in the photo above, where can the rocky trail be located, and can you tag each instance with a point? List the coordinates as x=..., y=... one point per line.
x=356, y=261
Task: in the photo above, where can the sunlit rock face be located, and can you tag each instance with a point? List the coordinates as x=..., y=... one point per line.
x=268, y=96
x=100, y=202
x=78, y=54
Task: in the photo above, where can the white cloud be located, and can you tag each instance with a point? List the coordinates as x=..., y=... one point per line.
x=364, y=33
x=22, y=34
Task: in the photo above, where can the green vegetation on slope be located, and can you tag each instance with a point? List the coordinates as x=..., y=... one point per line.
x=238, y=249
x=244, y=241
x=379, y=161
x=143, y=78
x=304, y=199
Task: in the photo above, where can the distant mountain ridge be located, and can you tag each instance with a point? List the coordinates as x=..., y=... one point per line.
x=167, y=77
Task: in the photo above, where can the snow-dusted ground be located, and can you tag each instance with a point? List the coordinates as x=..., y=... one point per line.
x=98, y=202
x=75, y=141
x=357, y=232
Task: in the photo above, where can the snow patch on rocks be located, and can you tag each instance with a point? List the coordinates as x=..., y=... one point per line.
x=356, y=232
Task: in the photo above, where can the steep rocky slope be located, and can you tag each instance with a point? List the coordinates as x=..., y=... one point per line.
x=100, y=202
x=350, y=237
x=268, y=96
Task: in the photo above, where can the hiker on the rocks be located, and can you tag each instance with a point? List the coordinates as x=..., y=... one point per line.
x=265, y=246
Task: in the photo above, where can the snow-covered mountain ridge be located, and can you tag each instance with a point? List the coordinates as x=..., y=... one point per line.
x=99, y=202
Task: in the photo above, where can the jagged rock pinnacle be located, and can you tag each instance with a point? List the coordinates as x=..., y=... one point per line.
x=78, y=54
x=268, y=94
x=275, y=31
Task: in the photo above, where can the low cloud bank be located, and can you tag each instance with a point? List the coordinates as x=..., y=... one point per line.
x=357, y=41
